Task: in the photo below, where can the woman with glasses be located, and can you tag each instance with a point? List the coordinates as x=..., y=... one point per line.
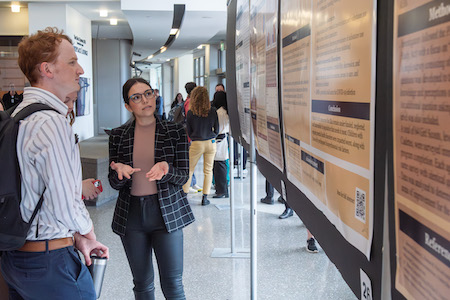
x=148, y=165
x=202, y=127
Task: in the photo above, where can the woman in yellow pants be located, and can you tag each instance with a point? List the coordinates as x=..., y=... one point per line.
x=202, y=127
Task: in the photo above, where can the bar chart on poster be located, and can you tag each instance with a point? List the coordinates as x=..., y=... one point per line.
x=421, y=125
x=328, y=109
x=264, y=80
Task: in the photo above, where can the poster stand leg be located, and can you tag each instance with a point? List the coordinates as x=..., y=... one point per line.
x=253, y=220
x=231, y=252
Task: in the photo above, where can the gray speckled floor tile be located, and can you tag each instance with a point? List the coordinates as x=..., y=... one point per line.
x=285, y=270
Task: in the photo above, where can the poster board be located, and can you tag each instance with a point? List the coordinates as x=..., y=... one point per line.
x=421, y=149
x=328, y=100
x=242, y=56
x=264, y=103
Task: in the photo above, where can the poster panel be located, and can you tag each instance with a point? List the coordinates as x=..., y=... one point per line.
x=421, y=130
x=243, y=66
x=264, y=104
x=328, y=109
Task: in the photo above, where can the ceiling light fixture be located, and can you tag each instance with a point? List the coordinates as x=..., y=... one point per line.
x=178, y=15
x=103, y=13
x=15, y=8
x=113, y=22
x=200, y=47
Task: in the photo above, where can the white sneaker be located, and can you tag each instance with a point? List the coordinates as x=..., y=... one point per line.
x=196, y=187
x=192, y=190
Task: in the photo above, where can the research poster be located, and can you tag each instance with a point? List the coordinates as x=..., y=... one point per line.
x=243, y=67
x=328, y=67
x=264, y=104
x=421, y=125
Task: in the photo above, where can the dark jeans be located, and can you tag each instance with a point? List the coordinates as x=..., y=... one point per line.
x=220, y=176
x=57, y=274
x=146, y=232
x=269, y=190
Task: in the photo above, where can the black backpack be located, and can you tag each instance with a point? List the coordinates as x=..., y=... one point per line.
x=13, y=230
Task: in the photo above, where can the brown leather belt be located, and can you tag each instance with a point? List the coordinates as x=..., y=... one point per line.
x=40, y=246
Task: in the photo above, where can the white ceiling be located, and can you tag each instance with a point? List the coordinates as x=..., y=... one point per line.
x=148, y=22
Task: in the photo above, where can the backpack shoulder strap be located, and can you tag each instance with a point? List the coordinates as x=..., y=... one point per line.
x=31, y=109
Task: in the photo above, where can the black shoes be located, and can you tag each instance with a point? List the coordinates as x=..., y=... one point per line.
x=205, y=200
x=288, y=212
x=267, y=200
x=281, y=200
x=311, y=246
x=221, y=195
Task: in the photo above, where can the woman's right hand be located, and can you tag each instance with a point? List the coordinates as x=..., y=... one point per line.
x=123, y=170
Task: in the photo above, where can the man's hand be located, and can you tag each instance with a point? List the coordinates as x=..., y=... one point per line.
x=158, y=171
x=123, y=170
x=89, y=190
x=88, y=247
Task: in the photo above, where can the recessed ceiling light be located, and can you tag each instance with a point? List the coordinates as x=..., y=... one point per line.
x=15, y=8
x=150, y=56
x=112, y=21
x=103, y=13
x=163, y=49
x=200, y=47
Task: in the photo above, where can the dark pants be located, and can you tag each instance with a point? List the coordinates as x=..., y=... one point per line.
x=269, y=190
x=146, y=232
x=220, y=176
x=237, y=156
x=57, y=274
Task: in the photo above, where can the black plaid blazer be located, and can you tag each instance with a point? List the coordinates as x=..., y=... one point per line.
x=170, y=146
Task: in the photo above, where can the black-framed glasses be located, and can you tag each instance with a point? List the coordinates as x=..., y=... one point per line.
x=137, y=98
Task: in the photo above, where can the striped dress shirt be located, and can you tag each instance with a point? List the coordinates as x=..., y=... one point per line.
x=49, y=158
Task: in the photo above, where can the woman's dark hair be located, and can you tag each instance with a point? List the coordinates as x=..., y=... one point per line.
x=175, y=101
x=220, y=100
x=127, y=86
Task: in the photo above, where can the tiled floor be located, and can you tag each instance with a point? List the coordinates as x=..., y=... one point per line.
x=285, y=270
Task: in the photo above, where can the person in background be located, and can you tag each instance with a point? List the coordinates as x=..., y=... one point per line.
x=88, y=190
x=221, y=157
x=159, y=105
x=49, y=161
x=176, y=113
x=148, y=165
x=202, y=127
x=220, y=87
x=288, y=212
x=11, y=98
x=194, y=188
x=2, y=108
x=177, y=101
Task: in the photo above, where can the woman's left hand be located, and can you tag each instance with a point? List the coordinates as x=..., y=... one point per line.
x=158, y=171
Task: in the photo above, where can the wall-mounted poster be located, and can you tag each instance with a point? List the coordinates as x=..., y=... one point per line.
x=243, y=67
x=421, y=117
x=83, y=102
x=264, y=80
x=328, y=92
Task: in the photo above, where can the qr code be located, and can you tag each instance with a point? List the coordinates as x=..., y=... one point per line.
x=360, y=205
